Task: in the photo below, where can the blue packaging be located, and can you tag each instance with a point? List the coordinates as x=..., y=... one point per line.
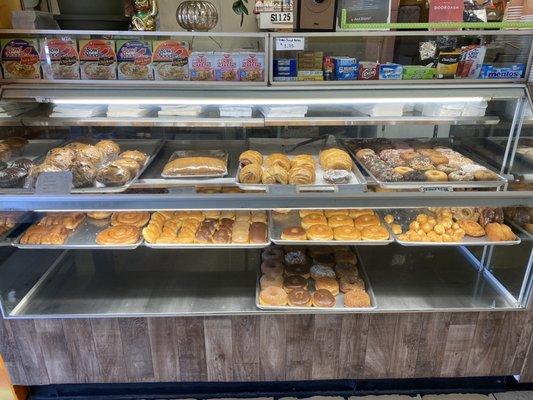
x=285, y=67
x=345, y=68
x=514, y=71
x=390, y=71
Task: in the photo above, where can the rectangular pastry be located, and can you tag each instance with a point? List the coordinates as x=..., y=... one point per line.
x=38, y=234
x=195, y=166
x=70, y=220
x=258, y=232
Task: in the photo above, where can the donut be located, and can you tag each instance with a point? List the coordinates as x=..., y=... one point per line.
x=293, y=233
x=320, y=232
x=272, y=253
x=347, y=284
x=421, y=163
x=300, y=298
x=403, y=170
x=447, y=168
x=364, y=152
x=366, y=220
x=434, y=175
x=323, y=298
x=438, y=158
x=295, y=257
x=426, y=152
x=356, y=298
x=460, y=175
x=322, y=271
x=312, y=219
x=485, y=175
x=316, y=250
x=415, y=176
x=302, y=270
x=324, y=259
x=409, y=155
x=346, y=233
x=330, y=284
x=374, y=233
x=273, y=296
x=471, y=167
x=340, y=220
x=272, y=267
x=294, y=282
x=472, y=228
x=345, y=256
x=268, y=280
x=465, y=213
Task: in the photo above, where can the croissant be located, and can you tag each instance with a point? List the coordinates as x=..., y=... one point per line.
x=278, y=159
x=335, y=159
x=151, y=233
x=251, y=173
x=303, y=160
x=250, y=157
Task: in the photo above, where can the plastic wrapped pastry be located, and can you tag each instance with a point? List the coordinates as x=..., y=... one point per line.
x=83, y=174
x=195, y=166
x=113, y=175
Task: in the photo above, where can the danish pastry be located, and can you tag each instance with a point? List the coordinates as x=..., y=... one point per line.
x=137, y=219
x=250, y=157
x=302, y=175
x=279, y=173
x=278, y=159
x=251, y=174
x=120, y=234
x=70, y=220
x=335, y=159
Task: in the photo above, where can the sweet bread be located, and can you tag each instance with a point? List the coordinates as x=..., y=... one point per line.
x=61, y=157
x=133, y=218
x=346, y=233
x=319, y=232
x=113, y=175
x=302, y=175
x=485, y=175
x=279, y=173
x=366, y=220
x=258, y=216
x=278, y=159
x=356, y=298
x=46, y=235
x=120, y=234
x=375, y=232
x=499, y=232
x=194, y=166
x=335, y=159
x=99, y=214
x=323, y=298
x=109, y=148
x=242, y=216
x=300, y=298
x=472, y=228
x=329, y=284
x=312, y=219
x=70, y=220
x=240, y=232
x=91, y=154
x=258, y=232
x=340, y=220
x=293, y=233
x=138, y=156
x=250, y=157
x=268, y=280
x=251, y=174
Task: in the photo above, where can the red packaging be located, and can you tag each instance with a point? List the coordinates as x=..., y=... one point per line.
x=368, y=71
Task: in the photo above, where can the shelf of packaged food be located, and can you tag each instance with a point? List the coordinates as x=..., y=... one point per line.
x=223, y=282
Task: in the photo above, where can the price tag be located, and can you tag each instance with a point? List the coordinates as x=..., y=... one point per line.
x=436, y=189
x=54, y=183
x=281, y=18
x=290, y=43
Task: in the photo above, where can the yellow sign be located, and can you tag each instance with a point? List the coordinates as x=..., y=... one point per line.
x=6, y=6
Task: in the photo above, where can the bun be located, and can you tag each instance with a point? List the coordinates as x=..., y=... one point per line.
x=366, y=220
x=346, y=233
x=293, y=233
x=91, y=154
x=340, y=220
x=312, y=219
x=374, y=233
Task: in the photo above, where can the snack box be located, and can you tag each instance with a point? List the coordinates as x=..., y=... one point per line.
x=390, y=71
x=285, y=67
x=201, y=66
x=447, y=64
x=310, y=75
x=98, y=59
x=134, y=59
x=471, y=61
x=417, y=72
x=514, y=71
x=170, y=60
x=226, y=66
x=60, y=58
x=20, y=58
x=310, y=60
x=345, y=68
x=368, y=71
x=252, y=66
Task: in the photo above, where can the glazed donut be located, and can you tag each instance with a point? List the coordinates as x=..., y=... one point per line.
x=376, y=232
x=293, y=233
x=268, y=280
x=273, y=296
x=300, y=298
x=346, y=233
x=426, y=152
x=294, y=282
x=366, y=220
x=320, y=232
x=460, y=175
x=356, y=298
x=324, y=259
x=272, y=253
x=364, y=152
x=340, y=220
x=485, y=175
x=345, y=256
x=272, y=267
x=403, y=170
x=323, y=298
x=301, y=270
x=330, y=284
x=438, y=158
x=295, y=257
x=434, y=175
x=447, y=168
x=312, y=219
x=409, y=155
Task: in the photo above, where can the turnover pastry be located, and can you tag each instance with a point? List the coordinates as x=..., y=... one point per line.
x=117, y=235
x=251, y=174
x=133, y=218
x=472, y=228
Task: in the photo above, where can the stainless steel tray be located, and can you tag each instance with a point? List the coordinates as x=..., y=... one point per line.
x=81, y=238
x=467, y=240
x=428, y=186
x=208, y=246
x=277, y=222
x=152, y=176
x=215, y=153
x=20, y=218
x=269, y=146
x=339, y=306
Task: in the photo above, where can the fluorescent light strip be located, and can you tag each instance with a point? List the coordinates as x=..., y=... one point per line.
x=265, y=102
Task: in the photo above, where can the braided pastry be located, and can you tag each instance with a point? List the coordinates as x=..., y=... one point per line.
x=137, y=219
x=119, y=234
x=278, y=159
x=251, y=173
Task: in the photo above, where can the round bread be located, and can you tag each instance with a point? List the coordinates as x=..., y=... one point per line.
x=323, y=299
x=376, y=232
x=251, y=157
x=403, y=170
x=346, y=233
x=460, y=176
x=109, y=148
x=499, y=232
x=472, y=228
x=330, y=284
x=251, y=174
x=91, y=154
x=136, y=155
x=485, y=175
x=268, y=280
x=99, y=214
x=312, y=219
x=340, y=220
x=273, y=296
x=272, y=267
x=138, y=219
x=118, y=235
x=356, y=298
x=300, y=298
x=434, y=175
x=294, y=282
x=293, y=233
x=324, y=259
x=319, y=232
x=366, y=220
x=62, y=158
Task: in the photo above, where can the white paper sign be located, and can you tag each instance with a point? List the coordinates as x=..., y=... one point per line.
x=281, y=17
x=290, y=43
x=54, y=183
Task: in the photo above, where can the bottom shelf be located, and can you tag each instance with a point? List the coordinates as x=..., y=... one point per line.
x=144, y=282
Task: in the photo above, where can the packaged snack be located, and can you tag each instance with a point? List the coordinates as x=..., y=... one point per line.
x=310, y=60
x=328, y=68
x=226, y=66
x=417, y=72
x=134, y=59
x=170, y=60
x=345, y=68
x=471, y=61
x=368, y=71
x=98, y=59
x=20, y=59
x=312, y=75
x=252, y=66
x=60, y=59
x=201, y=66
x=514, y=71
x=390, y=71
x=447, y=64
x=284, y=67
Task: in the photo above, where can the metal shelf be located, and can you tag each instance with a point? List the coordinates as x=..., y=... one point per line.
x=367, y=120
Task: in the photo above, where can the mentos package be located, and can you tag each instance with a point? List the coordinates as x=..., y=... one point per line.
x=134, y=58
x=252, y=66
x=201, y=66
x=514, y=71
x=390, y=71
x=285, y=67
x=345, y=68
x=417, y=72
x=471, y=61
x=226, y=66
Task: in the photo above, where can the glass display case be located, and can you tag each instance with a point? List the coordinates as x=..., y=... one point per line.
x=135, y=198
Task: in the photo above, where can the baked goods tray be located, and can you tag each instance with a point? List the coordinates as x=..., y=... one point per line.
x=286, y=146
x=20, y=217
x=208, y=245
x=33, y=150
x=339, y=305
x=152, y=175
x=426, y=185
x=82, y=237
x=277, y=222
x=467, y=240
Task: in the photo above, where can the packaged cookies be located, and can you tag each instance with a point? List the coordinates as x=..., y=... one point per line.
x=60, y=59
x=134, y=58
x=170, y=60
x=201, y=66
x=20, y=59
x=251, y=66
x=226, y=66
x=98, y=59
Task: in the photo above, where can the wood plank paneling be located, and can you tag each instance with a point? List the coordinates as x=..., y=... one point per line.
x=482, y=354
x=219, y=349
x=108, y=344
x=245, y=342
x=458, y=344
x=191, y=349
x=164, y=347
x=299, y=330
x=353, y=342
x=31, y=354
x=136, y=346
x=432, y=344
x=379, y=345
x=406, y=343
x=272, y=345
x=79, y=340
x=326, y=340
x=10, y=353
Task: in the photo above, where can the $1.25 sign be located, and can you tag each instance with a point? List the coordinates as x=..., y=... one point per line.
x=290, y=43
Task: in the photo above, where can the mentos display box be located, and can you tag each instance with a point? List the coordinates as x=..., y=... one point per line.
x=514, y=71
x=390, y=71
x=345, y=68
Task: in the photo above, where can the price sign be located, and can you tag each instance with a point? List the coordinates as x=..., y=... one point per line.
x=290, y=43
x=281, y=18
x=436, y=189
x=54, y=183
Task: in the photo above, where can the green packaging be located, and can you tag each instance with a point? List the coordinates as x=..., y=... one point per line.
x=418, y=72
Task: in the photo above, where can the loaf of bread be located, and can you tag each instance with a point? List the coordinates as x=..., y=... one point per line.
x=195, y=166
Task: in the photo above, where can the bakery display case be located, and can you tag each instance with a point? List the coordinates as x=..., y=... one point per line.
x=243, y=194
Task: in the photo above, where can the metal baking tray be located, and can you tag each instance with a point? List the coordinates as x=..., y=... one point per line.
x=428, y=186
x=215, y=153
x=82, y=238
x=467, y=240
x=269, y=146
x=33, y=150
x=21, y=217
x=339, y=306
x=277, y=222
x=208, y=245
x=152, y=176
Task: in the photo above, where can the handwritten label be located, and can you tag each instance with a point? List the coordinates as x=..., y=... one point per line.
x=54, y=183
x=290, y=43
